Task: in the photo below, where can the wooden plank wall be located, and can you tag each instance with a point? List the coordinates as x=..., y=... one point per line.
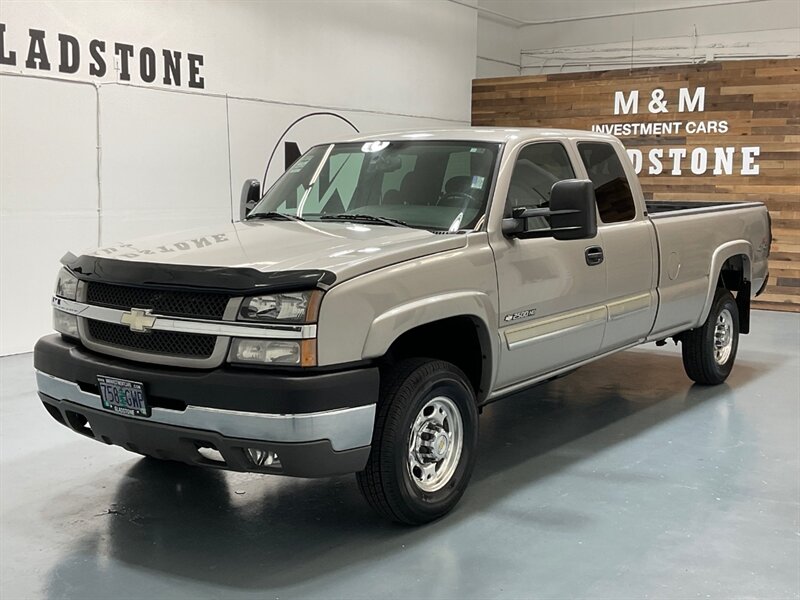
x=759, y=100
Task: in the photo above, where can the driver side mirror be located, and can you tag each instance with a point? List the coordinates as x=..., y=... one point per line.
x=572, y=214
x=251, y=194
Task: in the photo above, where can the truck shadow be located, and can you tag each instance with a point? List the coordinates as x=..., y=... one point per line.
x=249, y=532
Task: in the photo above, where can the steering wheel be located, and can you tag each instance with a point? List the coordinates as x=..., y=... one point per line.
x=453, y=198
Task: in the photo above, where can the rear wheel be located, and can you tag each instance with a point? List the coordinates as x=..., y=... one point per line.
x=710, y=350
x=423, y=447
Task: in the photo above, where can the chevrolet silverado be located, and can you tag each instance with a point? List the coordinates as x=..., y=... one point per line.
x=363, y=310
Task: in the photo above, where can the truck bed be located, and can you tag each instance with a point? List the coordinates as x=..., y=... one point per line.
x=689, y=236
x=664, y=208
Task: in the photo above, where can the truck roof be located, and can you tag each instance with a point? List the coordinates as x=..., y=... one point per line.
x=482, y=134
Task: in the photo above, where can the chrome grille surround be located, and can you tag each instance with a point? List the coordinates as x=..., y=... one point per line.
x=214, y=359
x=102, y=338
x=167, y=326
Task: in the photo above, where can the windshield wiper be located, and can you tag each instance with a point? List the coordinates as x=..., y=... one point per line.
x=274, y=215
x=366, y=218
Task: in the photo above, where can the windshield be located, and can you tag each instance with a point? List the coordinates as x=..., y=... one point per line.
x=427, y=184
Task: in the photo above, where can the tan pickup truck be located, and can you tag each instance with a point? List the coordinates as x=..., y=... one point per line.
x=379, y=294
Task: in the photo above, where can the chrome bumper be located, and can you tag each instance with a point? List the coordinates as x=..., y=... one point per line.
x=345, y=428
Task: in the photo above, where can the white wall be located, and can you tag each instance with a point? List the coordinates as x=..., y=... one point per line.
x=498, y=48
x=86, y=161
x=554, y=36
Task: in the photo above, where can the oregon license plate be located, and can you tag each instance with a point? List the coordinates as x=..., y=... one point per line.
x=123, y=396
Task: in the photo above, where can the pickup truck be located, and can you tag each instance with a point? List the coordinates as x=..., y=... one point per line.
x=383, y=290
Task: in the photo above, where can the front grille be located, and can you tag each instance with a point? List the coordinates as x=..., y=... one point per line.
x=201, y=305
x=190, y=345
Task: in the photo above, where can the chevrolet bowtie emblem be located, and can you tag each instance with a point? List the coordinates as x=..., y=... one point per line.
x=139, y=319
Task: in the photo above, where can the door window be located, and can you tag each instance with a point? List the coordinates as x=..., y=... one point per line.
x=538, y=167
x=611, y=187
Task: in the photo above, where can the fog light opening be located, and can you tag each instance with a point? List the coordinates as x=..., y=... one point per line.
x=54, y=412
x=211, y=453
x=79, y=423
x=261, y=458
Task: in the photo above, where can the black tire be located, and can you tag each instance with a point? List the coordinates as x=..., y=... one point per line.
x=387, y=482
x=698, y=345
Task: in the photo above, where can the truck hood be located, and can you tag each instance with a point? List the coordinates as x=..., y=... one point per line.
x=345, y=249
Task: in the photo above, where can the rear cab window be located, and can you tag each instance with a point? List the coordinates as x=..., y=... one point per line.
x=611, y=186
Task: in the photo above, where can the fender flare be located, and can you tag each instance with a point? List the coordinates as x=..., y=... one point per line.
x=390, y=325
x=721, y=254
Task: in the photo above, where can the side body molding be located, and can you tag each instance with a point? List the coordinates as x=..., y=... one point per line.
x=721, y=254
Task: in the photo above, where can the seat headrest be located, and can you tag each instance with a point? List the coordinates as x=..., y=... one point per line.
x=459, y=183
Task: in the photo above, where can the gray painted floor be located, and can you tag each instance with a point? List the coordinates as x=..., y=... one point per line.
x=620, y=481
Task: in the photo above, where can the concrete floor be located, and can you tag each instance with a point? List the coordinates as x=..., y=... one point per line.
x=620, y=481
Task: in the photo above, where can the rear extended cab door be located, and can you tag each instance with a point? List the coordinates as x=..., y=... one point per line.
x=628, y=241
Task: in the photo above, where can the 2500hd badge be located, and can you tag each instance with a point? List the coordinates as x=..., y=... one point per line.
x=523, y=314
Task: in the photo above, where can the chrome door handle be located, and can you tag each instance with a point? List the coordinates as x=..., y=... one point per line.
x=594, y=255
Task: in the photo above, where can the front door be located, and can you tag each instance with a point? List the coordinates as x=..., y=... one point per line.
x=552, y=300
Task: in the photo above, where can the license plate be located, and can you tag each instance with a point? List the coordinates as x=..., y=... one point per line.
x=123, y=396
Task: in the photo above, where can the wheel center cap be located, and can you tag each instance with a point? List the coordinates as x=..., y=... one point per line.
x=440, y=444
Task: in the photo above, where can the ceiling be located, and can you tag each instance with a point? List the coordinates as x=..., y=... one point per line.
x=522, y=12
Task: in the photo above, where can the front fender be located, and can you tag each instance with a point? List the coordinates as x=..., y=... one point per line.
x=390, y=325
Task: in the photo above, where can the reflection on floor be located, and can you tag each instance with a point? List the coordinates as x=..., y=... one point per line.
x=621, y=480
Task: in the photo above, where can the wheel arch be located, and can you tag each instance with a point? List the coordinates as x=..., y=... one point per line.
x=453, y=327
x=731, y=268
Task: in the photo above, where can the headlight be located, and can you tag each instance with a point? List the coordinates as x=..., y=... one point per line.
x=290, y=307
x=65, y=323
x=274, y=352
x=66, y=285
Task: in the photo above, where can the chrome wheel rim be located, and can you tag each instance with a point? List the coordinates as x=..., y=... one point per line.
x=434, y=444
x=723, y=337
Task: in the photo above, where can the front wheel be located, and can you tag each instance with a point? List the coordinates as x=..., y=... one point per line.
x=423, y=447
x=710, y=350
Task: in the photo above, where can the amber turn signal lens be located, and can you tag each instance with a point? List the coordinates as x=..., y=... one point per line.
x=308, y=353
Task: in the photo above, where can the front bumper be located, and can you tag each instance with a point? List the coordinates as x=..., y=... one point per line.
x=225, y=409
